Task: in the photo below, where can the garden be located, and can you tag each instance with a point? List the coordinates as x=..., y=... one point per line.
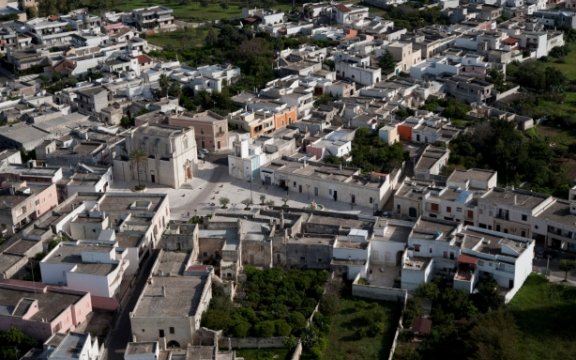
x=273, y=302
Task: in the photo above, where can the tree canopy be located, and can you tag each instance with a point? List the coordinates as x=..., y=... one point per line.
x=516, y=156
x=275, y=302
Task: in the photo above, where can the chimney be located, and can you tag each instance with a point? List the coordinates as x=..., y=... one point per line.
x=163, y=291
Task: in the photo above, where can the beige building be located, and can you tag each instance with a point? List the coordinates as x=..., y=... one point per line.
x=328, y=183
x=210, y=129
x=169, y=156
x=171, y=305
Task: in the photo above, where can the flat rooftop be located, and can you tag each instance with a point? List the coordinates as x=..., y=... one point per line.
x=135, y=348
x=312, y=240
x=431, y=229
x=516, y=198
x=71, y=254
x=21, y=246
x=8, y=260
x=471, y=174
x=70, y=346
x=50, y=304
x=559, y=212
x=416, y=263
x=170, y=296
x=172, y=263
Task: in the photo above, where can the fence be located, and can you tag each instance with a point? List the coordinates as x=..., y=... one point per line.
x=251, y=343
x=379, y=293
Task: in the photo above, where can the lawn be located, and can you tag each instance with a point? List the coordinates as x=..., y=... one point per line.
x=546, y=316
x=264, y=354
x=567, y=64
x=343, y=340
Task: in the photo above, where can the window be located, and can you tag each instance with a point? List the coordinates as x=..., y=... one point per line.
x=161, y=333
x=480, y=262
x=171, y=329
x=294, y=183
x=434, y=207
x=417, y=247
x=524, y=217
x=459, y=210
x=430, y=251
x=370, y=200
x=448, y=209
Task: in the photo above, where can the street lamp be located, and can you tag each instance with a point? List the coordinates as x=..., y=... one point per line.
x=250, y=181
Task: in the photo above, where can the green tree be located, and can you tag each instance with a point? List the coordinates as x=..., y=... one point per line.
x=265, y=328
x=224, y=201
x=387, y=62
x=495, y=336
x=487, y=296
x=164, y=83
x=14, y=343
x=138, y=156
x=282, y=328
x=567, y=266
x=247, y=202
x=241, y=328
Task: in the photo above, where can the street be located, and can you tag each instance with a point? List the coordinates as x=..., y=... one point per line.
x=121, y=333
x=555, y=274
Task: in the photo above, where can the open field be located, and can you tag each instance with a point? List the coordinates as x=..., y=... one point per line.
x=343, y=340
x=546, y=317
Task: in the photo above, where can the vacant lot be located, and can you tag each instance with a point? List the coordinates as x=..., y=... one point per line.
x=347, y=338
x=546, y=316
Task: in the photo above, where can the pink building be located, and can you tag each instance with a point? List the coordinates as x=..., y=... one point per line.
x=24, y=202
x=40, y=310
x=46, y=197
x=210, y=129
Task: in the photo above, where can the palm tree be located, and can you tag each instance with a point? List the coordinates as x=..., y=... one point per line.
x=138, y=156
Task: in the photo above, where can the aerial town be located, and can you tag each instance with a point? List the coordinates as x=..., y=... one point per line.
x=254, y=180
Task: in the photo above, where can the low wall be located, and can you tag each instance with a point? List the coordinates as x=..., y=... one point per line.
x=297, y=351
x=507, y=93
x=379, y=293
x=251, y=343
